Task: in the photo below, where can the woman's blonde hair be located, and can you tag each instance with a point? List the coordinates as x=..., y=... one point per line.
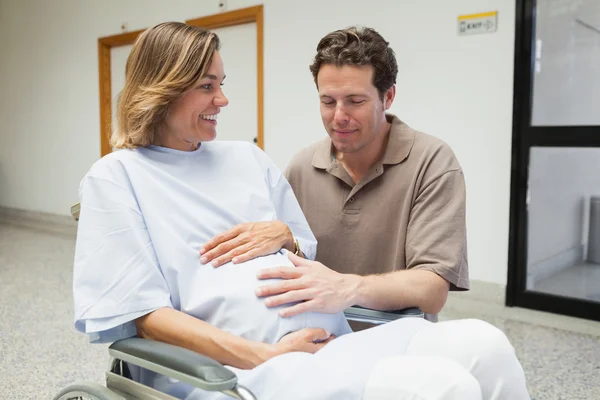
x=165, y=62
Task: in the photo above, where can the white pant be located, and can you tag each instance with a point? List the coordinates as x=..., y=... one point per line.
x=463, y=359
x=408, y=359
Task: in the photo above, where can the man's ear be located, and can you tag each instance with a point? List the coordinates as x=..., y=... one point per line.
x=389, y=96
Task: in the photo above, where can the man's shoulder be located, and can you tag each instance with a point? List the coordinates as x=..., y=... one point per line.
x=302, y=161
x=432, y=149
x=428, y=143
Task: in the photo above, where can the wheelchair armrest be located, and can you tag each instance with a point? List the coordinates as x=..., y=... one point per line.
x=175, y=362
x=361, y=314
x=75, y=209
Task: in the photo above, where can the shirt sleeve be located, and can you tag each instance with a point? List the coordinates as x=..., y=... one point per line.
x=286, y=205
x=436, y=234
x=116, y=276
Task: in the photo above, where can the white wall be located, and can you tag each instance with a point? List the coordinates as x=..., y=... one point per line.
x=457, y=88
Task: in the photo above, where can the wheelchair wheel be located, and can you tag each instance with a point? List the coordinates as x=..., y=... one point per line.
x=87, y=391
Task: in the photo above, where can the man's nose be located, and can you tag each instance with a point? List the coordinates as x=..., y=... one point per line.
x=341, y=117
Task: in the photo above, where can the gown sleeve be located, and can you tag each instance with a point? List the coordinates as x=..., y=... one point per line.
x=116, y=276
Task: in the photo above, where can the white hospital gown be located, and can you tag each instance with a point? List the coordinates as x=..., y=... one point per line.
x=145, y=214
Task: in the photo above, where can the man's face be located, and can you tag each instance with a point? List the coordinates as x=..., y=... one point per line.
x=351, y=109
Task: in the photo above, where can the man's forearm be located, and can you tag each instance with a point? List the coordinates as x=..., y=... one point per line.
x=174, y=327
x=403, y=289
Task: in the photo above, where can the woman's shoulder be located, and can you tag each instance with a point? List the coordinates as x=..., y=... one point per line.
x=113, y=163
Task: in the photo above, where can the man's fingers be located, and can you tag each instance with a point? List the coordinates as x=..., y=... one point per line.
x=299, y=308
x=292, y=294
x=279, y=273
x=296, y=260
x=278, y=288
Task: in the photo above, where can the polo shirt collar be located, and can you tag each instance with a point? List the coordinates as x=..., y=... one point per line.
x=400, y=142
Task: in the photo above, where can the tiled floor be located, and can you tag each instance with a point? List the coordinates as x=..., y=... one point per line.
x=40, y=352
x=580, y=281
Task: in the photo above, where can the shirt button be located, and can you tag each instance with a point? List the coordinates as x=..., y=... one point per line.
x=351, y=199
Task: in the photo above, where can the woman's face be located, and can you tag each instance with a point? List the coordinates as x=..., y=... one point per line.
x=192, y=118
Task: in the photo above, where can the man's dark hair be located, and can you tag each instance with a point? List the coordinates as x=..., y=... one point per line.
x=358, y=46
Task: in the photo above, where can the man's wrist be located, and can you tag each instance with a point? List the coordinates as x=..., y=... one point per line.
x=356, y=292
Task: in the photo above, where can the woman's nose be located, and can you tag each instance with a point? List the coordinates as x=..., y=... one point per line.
x=221, y=100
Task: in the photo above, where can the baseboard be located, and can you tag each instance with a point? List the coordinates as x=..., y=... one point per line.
x=544, y=269
x=485, y=301
x=38, y=220
x=487, y=292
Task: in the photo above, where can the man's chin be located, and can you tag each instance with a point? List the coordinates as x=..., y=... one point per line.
x=343, y=146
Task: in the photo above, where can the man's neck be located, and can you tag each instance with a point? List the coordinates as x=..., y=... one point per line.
x=358, y=164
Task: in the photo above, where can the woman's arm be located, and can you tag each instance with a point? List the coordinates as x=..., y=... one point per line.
x=177, y=328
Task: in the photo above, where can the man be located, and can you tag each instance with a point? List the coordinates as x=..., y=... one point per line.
x=385, y=202
x=387, y=206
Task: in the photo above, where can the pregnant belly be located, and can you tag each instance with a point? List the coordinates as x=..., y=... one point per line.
x=225, y=298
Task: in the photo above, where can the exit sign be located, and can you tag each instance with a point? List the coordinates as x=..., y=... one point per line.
x=478, y=23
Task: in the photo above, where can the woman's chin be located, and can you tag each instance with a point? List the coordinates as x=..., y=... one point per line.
x=207, y=137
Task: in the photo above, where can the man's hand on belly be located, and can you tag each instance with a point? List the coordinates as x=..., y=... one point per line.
x=244, y=242
x=315, y=286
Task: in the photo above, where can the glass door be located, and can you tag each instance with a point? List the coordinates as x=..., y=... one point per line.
x=555, y=194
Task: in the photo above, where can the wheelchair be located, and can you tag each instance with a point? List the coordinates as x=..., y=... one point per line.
x=184, y=365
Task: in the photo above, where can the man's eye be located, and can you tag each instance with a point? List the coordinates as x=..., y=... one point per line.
x=357, y=101
x=327, y=103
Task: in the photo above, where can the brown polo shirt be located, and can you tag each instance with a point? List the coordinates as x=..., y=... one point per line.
x=407, y=212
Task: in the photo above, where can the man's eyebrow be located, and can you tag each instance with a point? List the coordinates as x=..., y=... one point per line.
x=346, y=96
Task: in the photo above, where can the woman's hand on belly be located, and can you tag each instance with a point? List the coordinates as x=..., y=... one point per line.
x=246, y=241
x=308, y=340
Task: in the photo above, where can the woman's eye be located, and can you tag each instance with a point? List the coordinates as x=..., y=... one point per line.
x=327, y=103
